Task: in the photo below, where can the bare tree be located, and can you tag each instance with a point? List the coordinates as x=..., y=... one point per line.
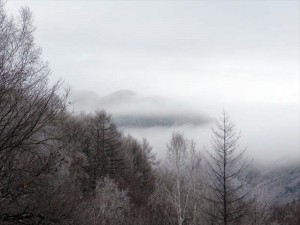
x=184, y=161
x=29, y=110
x=161, y=201
x=108, y=205
x=177, y=156
x=195, y=177
x=228, y=193
x=259, y=204
x=103, y=146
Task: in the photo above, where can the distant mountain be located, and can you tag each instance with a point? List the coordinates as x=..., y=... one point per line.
x=130, y=109
x=119, y=97
x=278, y=185
x=159, y=121
x=281, y=185
x=84, y=100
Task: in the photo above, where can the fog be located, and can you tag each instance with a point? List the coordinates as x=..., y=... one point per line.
x=192, y=58
x=270, y=133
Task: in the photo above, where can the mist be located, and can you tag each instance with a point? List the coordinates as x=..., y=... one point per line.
x=149, y=112
x=269, y=132
x=186, y=60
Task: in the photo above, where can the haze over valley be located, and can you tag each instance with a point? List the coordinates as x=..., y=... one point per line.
x=181, y=63
x=149, y=112
x=156, y=117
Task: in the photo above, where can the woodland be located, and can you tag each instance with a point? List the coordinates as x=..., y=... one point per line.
x=57, y=167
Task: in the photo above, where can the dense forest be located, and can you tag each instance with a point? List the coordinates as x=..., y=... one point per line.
x=58, y=167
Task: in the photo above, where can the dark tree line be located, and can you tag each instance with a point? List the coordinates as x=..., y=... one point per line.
x=61, y=168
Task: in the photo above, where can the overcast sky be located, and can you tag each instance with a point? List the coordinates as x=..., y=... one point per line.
x=227, y=50
x=243, y=53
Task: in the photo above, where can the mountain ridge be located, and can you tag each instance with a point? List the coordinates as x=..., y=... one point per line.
x=130, y=109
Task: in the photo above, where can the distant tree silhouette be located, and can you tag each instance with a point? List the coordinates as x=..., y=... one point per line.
x=226, y=165
x=103, y=147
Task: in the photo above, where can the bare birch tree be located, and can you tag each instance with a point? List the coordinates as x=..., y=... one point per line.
x=184, y=161
x=108, y=205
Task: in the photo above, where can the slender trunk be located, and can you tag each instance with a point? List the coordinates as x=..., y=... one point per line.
x=179, y=210
x=224, y=175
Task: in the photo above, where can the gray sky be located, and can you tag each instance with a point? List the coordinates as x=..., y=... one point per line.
x=229, y=50
x=242, y=55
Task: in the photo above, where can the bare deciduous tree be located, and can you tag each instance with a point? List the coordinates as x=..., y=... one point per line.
x=103, y=146
x=29, y=110
x=108, y=205
x=228, y=193
x=184, y=161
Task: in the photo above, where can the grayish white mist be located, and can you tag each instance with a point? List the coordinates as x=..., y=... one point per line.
x=241, y=56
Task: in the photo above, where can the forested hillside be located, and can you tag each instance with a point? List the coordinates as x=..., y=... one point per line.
x=281, y=184
x=57, y=167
